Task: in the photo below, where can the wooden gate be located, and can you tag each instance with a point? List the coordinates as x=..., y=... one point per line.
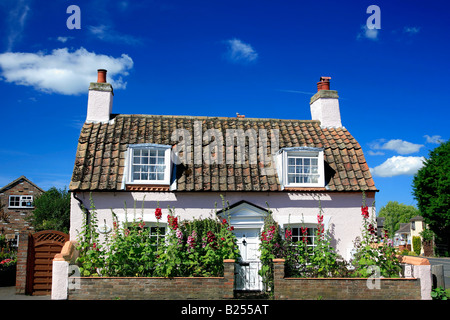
x=42, y=247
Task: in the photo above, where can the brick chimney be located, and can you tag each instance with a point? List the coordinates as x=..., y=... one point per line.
x=100, y=99
x=325, y=105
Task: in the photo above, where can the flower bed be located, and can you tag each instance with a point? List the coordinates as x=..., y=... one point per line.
x=8, y=262
x=189, y=249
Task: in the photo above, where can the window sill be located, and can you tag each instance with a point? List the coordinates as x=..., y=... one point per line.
x=287, y=188
x=147, y=187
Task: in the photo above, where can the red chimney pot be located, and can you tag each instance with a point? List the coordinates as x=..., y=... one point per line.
x=101, y=76
x=324, y=83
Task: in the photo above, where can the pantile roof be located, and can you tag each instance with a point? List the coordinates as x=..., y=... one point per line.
x=100, y=157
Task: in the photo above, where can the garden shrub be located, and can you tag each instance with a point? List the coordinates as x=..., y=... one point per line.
x=189, y=248
x=417, y=245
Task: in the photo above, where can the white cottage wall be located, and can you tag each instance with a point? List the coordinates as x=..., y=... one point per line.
x=342, y=211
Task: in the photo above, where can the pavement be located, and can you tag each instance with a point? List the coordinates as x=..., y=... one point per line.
x=9, y=293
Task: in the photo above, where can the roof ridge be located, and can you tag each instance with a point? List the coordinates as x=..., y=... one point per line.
x=210, y=117
x=17, y=180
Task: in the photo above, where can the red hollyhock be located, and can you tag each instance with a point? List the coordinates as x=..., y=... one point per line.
x=173, y=222
x=158, y=213
x=365, y=212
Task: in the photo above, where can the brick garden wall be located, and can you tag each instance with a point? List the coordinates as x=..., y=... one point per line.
x=201, y=288
x=342, y=288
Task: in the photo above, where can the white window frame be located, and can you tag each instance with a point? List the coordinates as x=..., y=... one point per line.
x=149, y=147
x=22, y=199
x=303, y=152
x=313, y=235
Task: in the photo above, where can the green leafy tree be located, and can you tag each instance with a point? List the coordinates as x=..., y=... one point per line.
x=52, y=211
x=396, y=213
x=431, y=189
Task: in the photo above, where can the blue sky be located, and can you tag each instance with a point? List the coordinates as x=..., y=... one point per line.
x=215, y=58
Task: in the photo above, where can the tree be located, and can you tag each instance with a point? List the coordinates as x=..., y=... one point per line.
x=52, y=211
x=431, y=189
x=396, y=213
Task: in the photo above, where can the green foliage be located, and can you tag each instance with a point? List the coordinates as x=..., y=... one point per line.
x=8, y=255
x=271, y=247
x=52, y=211
x=417, y=244
x=440, y=294
x=431, y=189
x=396, y=213
x=371, y=253
x=90, y=257
x=190, y=248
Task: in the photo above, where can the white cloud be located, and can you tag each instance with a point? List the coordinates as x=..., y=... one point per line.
x=411, y=30
x=366, y=33
x=64, y=39
x=16, y=20
x=375, y=153
x=63, y=71
x=434, y=139
x=397, y=145
x=108, y=34
x=398, y=165
x=239, y=51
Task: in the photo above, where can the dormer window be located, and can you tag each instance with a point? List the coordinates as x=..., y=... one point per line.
x=149, y=164
x=301, y=167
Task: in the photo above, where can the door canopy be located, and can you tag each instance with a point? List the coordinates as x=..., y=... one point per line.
x=244, y=214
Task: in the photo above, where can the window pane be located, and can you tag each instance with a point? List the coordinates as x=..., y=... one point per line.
x=144, y=176
x=161, y=153
x=298, y=161
x=291, y=178
x=291, y=161
x=160, y=176
x=136, y=152
x=306, y=161
x=160, y=160
x=144, y=152
x=152, y=153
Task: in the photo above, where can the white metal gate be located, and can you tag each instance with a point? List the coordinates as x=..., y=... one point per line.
x=247, y=268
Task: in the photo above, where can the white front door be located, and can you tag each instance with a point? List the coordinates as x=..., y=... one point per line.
x=247, y=276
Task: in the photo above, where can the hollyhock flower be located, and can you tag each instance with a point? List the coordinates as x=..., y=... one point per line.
x=179, y=235
x=288, y=234
x=158, y=213
x=304, y=233
x=365, y=212
x=191, y=241
x=173, y=222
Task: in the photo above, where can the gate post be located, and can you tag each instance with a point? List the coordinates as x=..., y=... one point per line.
x=22, y=258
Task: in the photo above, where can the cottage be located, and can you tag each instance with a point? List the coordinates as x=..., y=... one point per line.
x=16, y=205
x=287, y=167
